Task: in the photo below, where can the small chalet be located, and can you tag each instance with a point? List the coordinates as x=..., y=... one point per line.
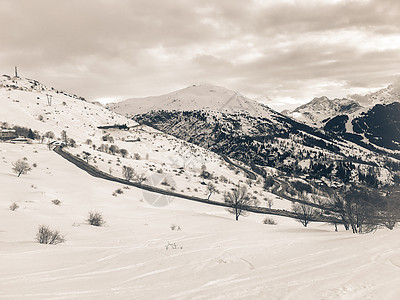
x=7, y=134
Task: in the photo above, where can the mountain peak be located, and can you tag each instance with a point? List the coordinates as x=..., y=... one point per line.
x=199, y=96
x=322, y=108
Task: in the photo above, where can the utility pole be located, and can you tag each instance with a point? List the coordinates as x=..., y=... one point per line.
x=16, y=71
x=49, y=99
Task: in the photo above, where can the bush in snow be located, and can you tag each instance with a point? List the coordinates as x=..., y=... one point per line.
x=56, y=202
x=95, y=218
x=123, y=152
x=172, y=246
x=175, y=227
x=14, y=206
x=269, y=221
x=47, y=236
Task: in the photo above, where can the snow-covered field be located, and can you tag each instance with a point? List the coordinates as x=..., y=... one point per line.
x=215, y=256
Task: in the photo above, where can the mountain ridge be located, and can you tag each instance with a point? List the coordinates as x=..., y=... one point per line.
x=203, y=96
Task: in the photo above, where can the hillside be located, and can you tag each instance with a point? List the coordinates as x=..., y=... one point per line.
x=29, y=103
x=379, y=126
x=269, y=140
x=213, y=254
x=147, y=150
x=154, y=244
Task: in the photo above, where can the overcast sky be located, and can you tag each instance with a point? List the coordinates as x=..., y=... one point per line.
x=287, y=51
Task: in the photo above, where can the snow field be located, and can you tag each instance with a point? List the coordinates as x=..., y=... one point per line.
x=215, y=257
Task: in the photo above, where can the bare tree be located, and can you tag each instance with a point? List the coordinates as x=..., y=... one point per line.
x=21, y=167
x=304, y=213
x=64, y=137
x=123, y=152
x=360, y=208
x=249, y=182
x=391, y=212
x=238, y=199
x=72, y=143
x=210, y=189
x=140, y=178
x=113, y=149
x=50, y=135
x=268, y=182
x=270, y=202
x=128, y=172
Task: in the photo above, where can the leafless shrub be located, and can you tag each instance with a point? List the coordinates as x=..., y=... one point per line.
x=56, y=202
x=14, y=206
x=95, y=218
x=47, y=236
x=140, y=178
x=165, y=182
x=175, y=227
x=172, y=246
x=223, y=179
x=269, y=221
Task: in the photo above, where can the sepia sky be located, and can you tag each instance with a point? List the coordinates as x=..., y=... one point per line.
x=286, y=51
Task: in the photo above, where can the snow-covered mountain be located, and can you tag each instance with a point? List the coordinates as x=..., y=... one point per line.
x=387, y=95
x=319, y=110
x=377, y=122
x=204, y=96
x=251, y=133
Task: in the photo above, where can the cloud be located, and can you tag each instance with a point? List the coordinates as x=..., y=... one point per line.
x=362, y=99
x=283, y=49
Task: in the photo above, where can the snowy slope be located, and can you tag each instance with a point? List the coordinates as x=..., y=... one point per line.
x=202, y=96
x=215, y=256
x=148, y=150
x=387, y=95
x=24, y=103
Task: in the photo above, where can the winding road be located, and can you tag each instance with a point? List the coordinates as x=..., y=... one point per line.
x=91, y=170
